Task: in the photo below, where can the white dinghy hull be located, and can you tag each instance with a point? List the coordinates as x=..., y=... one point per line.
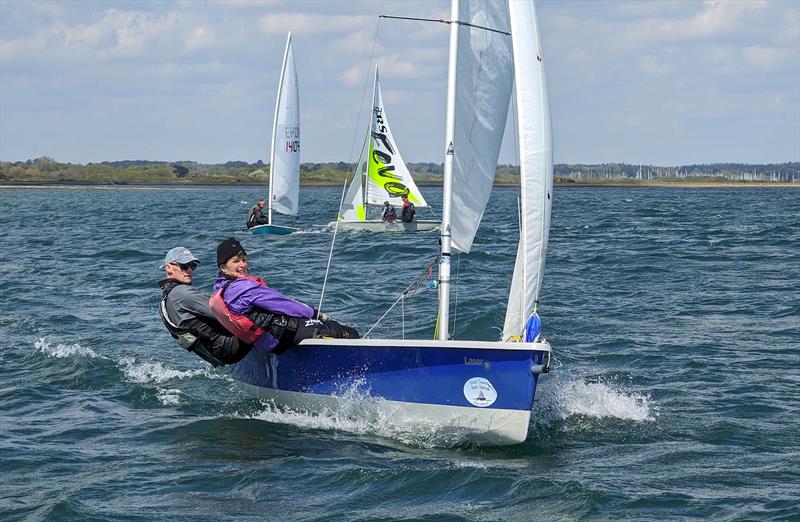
x=376, y=225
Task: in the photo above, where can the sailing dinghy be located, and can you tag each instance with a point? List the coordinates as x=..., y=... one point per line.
x=284, y=164
x=385, y=177
x=471, y=390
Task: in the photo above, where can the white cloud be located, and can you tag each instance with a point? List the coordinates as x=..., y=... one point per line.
x=766, y=58
x=675, y=106
x=578, y=56
x=116, y=34
x=121, y=32
x=356, y=42
x=303, y=23
x=392, y=66
x=651, y=67
x=352, y=76
x=717, y=17
x=200, y=38
x=777, y=104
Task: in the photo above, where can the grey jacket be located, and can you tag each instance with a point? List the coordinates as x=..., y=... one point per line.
x=187, y=308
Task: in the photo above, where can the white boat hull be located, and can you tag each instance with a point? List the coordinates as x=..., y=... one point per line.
x=484, y=427
x=375, y=225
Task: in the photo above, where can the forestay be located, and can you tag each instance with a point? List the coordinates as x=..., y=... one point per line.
x=536, y=168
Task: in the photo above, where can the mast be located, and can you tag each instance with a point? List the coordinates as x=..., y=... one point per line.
x=275, y=123
x=447, y=197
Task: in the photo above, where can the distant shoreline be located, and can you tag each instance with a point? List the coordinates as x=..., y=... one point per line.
x=179, y=186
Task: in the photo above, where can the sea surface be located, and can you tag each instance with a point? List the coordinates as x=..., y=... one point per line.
x=674, y=316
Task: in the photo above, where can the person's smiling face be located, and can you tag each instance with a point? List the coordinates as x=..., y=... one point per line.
x=235, y=266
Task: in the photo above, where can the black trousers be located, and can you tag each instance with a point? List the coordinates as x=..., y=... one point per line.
x=314, y=329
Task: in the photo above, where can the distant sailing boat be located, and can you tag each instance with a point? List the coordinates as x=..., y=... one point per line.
x=386, y=179
x=284, y=164
x=477, y=390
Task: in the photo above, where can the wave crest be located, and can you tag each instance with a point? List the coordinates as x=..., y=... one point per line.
x=61, y=351
x=149, y=372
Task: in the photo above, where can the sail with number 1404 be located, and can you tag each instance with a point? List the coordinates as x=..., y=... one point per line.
x=284, y=165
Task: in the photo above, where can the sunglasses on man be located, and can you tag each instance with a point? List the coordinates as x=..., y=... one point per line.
x=186, y=266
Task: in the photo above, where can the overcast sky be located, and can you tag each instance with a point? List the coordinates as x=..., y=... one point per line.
x=654, y=82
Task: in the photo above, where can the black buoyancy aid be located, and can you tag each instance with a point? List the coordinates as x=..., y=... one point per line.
x=251, y=219
x=186, y=338
x=407, y=215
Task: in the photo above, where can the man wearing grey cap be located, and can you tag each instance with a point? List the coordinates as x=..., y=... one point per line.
x=185, y=312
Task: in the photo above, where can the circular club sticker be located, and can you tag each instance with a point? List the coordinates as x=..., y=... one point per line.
x=480, y=392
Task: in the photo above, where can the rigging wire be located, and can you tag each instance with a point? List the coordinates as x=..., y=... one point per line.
x=330, y=253
x=349, y=160
x=407, y=293
x=364, y=90
x=443, y=21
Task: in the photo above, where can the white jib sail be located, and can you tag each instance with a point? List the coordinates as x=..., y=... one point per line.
x=483, y=90
x=536, y=167
x=388, y=176
x=284, y=184
x=353, y=208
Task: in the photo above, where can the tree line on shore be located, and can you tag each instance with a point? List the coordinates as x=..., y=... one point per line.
x=46, y=169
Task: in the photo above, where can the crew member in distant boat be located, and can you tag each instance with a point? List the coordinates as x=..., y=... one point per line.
x=256, y=216
x=187, y=316
x=407, y=214
x=284, y=322
x=388, y=213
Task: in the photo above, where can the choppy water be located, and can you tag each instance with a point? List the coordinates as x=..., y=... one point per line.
x=674, y=315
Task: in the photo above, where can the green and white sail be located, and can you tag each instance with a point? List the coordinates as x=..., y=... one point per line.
x=381, y=174
x=388, y=177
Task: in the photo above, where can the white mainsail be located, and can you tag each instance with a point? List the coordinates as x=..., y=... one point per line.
x=387, y=174
x=536, y=168
x=483, y=66
x=284, y=174
x=484, y=77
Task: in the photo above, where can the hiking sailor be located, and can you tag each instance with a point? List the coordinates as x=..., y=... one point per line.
x=285, y=322
x=187, y=316
x=407, y=214
x=256, y=216
x=388, y=213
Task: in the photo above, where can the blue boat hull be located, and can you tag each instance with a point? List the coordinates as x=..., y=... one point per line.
x=482, y=391
x=275, y=230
